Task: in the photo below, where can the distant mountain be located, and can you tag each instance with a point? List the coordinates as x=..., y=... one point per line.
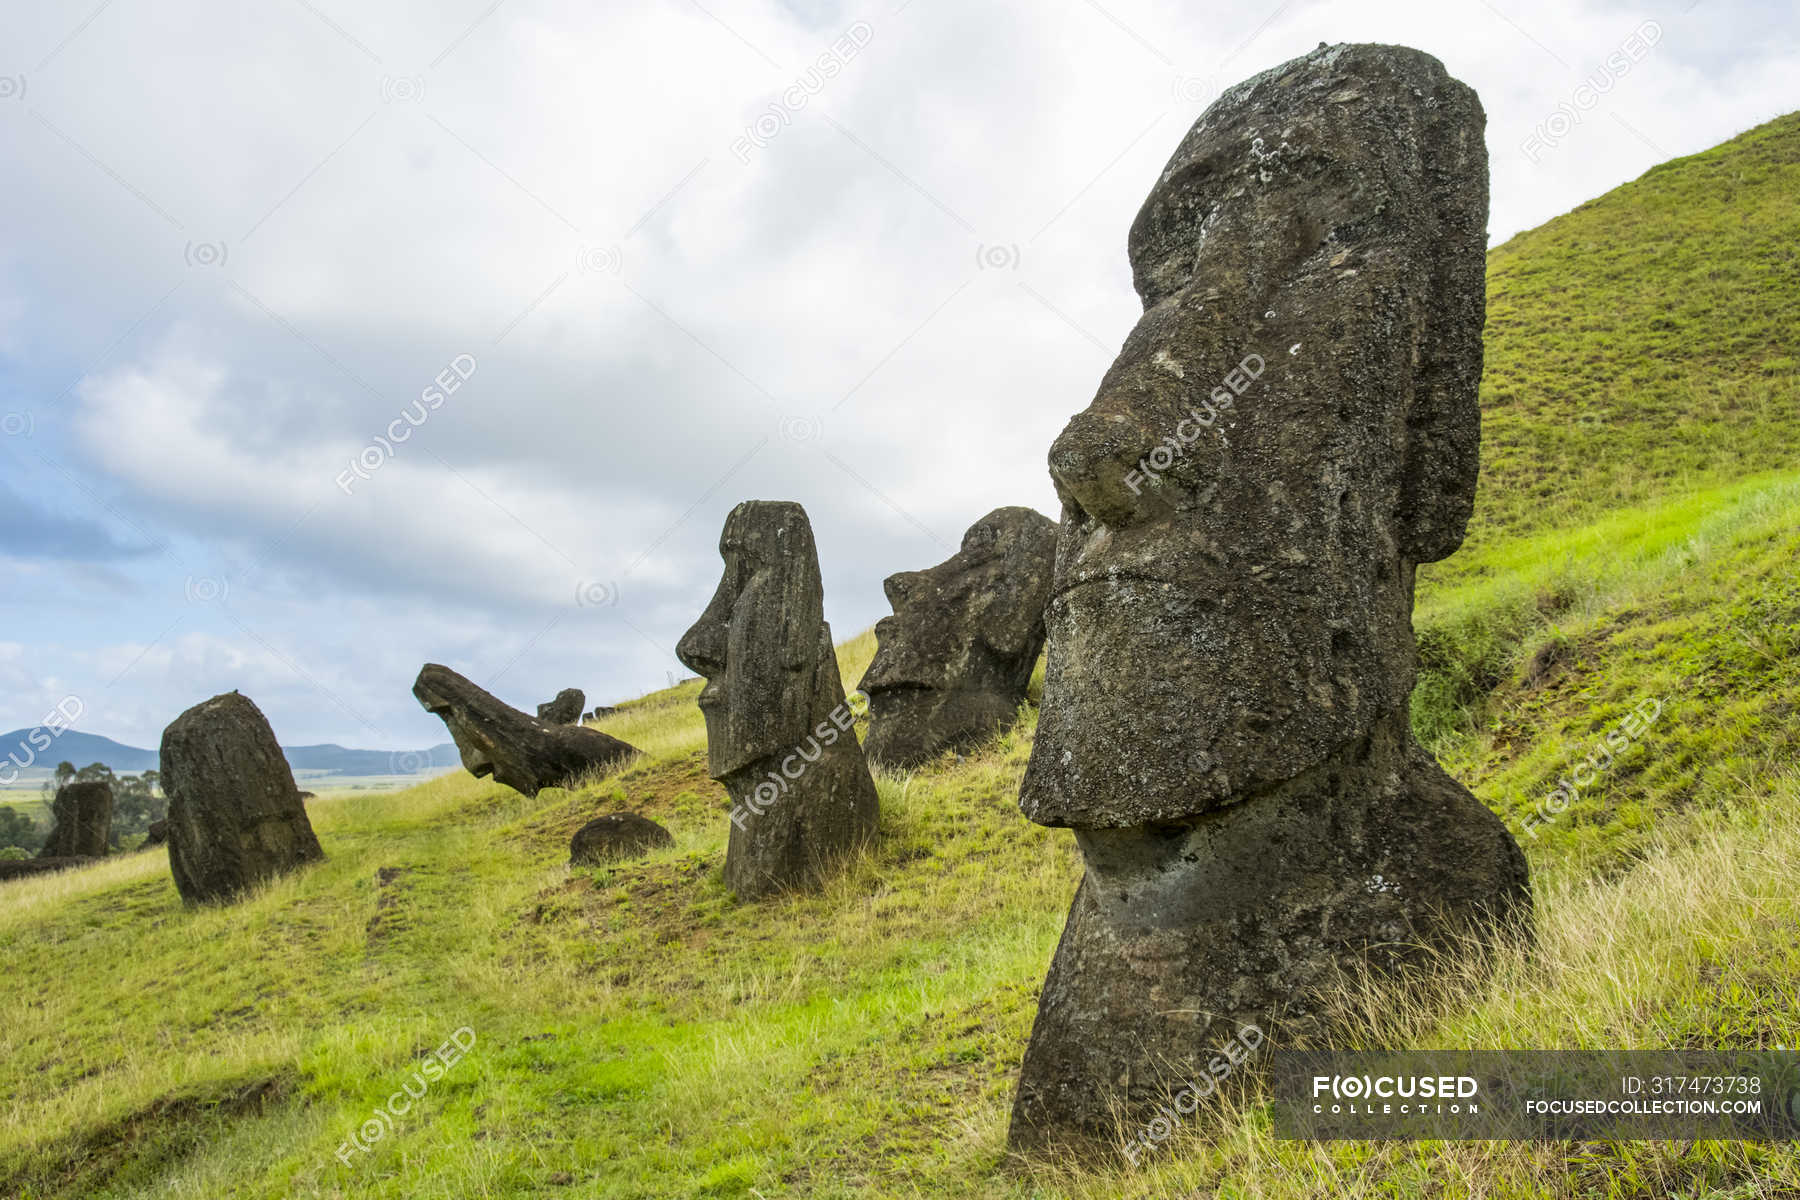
x=84, y=748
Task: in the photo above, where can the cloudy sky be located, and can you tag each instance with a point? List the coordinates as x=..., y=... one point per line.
x=867, y=257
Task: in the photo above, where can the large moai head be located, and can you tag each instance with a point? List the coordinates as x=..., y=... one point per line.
x=952, y=663
x=1290, y=427
x=760, y=640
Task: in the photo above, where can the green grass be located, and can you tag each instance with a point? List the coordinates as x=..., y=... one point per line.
x=639, y=1033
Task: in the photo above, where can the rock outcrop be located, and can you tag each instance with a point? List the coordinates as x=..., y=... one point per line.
x=1291, y=427
x=494, y=739
x=614, y=836
x=953, y=662
x=779, y=732
x=81, y=820
x=235, y=815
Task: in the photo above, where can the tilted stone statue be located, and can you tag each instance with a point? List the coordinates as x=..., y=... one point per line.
x=953, y=661
x=779, y=731
x=525, y=753
x=235, y=814
x=81, y=820
x=565, y=709
x=1289, y=429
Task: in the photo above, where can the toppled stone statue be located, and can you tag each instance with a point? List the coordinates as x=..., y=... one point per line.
x=19, y=868
x=1289, y=429
x=953, y=661
x=601, y=710
x=525, y=753
x=81, y=820
x=235, y=814
x=616, y=835
x=565, y=709
x=779, y=732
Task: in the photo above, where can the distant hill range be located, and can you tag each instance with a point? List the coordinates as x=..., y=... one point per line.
x=84, y=748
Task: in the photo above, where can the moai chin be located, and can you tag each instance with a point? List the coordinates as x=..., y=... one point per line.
x=1290, y=428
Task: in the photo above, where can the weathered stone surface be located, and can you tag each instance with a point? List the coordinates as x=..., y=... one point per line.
x=158, y=833
x=565, y=709
x=81, y=821
x=616, y=835
x=1289, y=429
x=601, y=710
x=953, y=661
x=19, y=868
x=235, y=816
x=778, y=730
x=525, y=753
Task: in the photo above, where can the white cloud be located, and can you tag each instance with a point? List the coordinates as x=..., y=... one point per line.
x=420, y=184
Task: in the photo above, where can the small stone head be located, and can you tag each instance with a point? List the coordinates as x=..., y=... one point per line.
x=760, y=640
x=954, y=659
x=1291, y=426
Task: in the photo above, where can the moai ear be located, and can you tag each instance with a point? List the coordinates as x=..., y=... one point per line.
x=1443, y=427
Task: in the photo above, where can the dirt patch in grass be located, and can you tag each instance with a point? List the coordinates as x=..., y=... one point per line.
x=140, y=1146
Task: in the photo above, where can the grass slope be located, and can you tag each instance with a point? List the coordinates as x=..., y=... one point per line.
x=640, y=1034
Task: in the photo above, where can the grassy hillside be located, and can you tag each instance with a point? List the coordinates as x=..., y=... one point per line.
x=638, y=1033
x=1644, y=344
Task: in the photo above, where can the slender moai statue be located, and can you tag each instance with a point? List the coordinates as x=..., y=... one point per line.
x=779, y=731
x=953, y=662
x=1289, y=429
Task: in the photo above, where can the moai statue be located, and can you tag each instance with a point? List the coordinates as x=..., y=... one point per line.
x=235, y=814
x=953, y=661
x=565, y=709
x=81, y=820
x=779, y=731
x=1290, y=428
x=495, y=739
